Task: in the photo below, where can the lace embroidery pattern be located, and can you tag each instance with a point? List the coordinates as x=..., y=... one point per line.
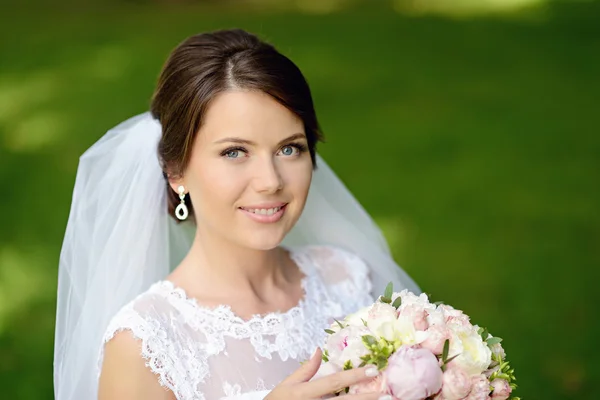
x=235, y=390
x=174, y=365
x=182, y=364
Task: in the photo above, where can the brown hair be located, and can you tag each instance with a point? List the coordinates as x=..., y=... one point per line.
x=207, y=64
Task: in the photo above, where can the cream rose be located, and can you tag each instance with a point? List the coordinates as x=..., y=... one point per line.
x=403, y=330
x=475, y=355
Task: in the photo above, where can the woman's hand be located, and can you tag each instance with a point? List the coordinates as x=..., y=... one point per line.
x=297, y=385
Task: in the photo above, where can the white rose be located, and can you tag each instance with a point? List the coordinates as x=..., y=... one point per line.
x=401, y=294
x=436, y=317
x=358, y=317
x=347, y=344
x=379, y=314
x=475, y=355
x=409, y=298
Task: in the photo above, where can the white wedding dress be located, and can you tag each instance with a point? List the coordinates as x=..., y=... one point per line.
x=210, y=353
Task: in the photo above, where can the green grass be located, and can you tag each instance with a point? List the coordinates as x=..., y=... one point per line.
x=474, y=143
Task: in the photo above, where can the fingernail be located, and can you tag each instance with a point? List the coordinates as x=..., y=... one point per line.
x=314, y=354
x=371, y=371
x=386, y=397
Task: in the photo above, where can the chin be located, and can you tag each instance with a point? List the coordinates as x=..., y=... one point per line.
x=262, y=242
x=263, y=238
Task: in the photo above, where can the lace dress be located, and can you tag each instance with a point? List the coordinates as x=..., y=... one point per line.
x=210, y=353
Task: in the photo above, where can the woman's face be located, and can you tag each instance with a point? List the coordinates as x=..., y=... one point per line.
x=250, y=170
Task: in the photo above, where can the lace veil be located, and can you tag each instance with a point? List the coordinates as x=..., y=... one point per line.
x=119, y=240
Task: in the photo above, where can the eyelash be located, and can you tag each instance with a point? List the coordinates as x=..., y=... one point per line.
x=301, y=147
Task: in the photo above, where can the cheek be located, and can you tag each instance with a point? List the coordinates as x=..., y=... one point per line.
x=298, y=178
x=218, y=187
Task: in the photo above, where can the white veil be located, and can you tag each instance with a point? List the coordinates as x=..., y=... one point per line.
x=120, y=239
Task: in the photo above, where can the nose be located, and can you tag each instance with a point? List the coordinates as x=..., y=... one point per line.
x=267, y=177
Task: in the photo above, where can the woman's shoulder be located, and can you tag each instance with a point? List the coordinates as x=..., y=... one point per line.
x=150, y=328
x=151, y=308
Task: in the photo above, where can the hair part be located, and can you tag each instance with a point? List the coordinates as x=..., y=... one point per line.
x=207, y=64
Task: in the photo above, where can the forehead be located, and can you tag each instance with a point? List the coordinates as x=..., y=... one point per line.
x=251, y=115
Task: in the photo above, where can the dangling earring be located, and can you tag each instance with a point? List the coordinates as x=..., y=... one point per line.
x=181, y=212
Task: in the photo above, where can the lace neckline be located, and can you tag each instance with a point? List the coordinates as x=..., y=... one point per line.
x=170, y=290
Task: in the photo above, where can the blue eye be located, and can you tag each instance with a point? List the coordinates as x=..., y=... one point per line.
x=290, y=150
x=233, y=153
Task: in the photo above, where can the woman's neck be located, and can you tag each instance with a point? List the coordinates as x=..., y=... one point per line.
x=216, y=268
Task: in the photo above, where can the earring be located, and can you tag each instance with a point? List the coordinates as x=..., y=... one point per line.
x=181, y=212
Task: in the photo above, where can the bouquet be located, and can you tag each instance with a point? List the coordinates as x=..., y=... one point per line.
x=423, y=350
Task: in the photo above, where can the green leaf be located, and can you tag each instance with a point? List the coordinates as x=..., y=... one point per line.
x=369, y=340
x=493, y=340
x=389, y=290
x=451, y=358
x=485, y=334
x=446, y=350
x=348, y=365
x=386, y=300
x=339, y=323
x=397, y=303
x=364, y=322
x=329, y=331
x=387, y=351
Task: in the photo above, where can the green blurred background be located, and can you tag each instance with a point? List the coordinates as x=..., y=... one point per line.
x=468, y=129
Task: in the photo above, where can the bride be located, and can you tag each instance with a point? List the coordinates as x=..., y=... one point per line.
x=208, y=245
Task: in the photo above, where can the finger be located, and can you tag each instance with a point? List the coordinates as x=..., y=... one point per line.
x=340, y=380
x=307, y=370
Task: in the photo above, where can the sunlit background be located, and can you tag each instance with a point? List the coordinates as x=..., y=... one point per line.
x=468, y=128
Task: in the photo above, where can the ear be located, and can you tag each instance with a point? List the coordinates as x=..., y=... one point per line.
x=175, y=183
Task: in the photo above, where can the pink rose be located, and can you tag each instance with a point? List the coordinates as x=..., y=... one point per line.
x=502, y=389
x=455, y=317
x=481, y=388
x=456, y=384
x=417, y=314
x=412, y=374
x=438, y=335
x=375, y=385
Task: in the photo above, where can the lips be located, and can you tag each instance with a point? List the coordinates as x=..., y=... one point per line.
x=263, y=211
x=266, y=213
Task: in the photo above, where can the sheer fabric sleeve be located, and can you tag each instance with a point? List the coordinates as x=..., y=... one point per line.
x=179, y=363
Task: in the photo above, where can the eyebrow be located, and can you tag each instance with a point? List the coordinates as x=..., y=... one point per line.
x=251, y=143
